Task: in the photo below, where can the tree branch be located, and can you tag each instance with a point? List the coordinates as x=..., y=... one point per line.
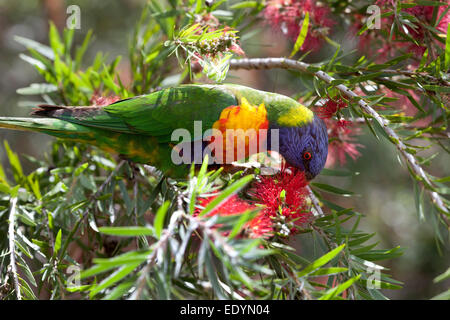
x=315, y=202
x=283, y=63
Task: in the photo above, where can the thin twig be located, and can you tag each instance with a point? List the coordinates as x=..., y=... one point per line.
x=152, y=170
x=12, y=247
x=315, y=202
x=283, y=63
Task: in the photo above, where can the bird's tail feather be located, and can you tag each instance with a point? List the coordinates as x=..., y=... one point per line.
x=54, y=127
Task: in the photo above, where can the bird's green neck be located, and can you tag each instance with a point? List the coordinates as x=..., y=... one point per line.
x=282, y=110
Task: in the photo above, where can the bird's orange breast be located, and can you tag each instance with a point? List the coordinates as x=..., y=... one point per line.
x=244, y=130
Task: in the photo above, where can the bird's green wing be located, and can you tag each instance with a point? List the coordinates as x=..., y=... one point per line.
x=160, y=113
x=157, y=114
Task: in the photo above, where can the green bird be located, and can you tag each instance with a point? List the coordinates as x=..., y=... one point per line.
x=145, y=129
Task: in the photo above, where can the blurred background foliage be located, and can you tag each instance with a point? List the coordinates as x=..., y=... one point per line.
x=384, y=187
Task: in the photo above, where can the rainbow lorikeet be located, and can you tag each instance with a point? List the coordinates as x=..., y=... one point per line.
x=141, y=128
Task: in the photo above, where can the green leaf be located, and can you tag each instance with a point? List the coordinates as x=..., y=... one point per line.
x=360, y=239
x=243, y=219
x=328, y=271
x=114, y=277
x=68, y=40
x=24, y=249
x=103, y=265
x=302, y=35
x=25, y=287
x=212, y=276
x=380, y=131
x=37, y=88
x=442, y=296
x=321, y=261
x=57, y=243
x=447, y=50
x=363, y=249
x=55, y=40
x=436, y=87
x=380, y=284
x=246, y=4
x=337, y=173
x=334, y=292
x=127, y=231
x=333, y=59
x=15, y=163
x=78, y=288
x=39, y=47
x=26, y=269
x=445, y=179
x=228, y=192
x=365, y=77
x=375, y=255
x=119, y=291
x=418, y=200
x=159, y=218
x=332, y=189
x=442, y=277
x=428, y=3
x=34, y=62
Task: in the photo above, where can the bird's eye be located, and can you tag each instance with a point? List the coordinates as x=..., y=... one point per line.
x=307, y=155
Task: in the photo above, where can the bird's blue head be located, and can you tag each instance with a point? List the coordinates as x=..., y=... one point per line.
x=305, y=147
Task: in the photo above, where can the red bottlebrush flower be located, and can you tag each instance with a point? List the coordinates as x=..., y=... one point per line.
x=233, y=205
x=287, y=16
x=98, y=100
x=340, y=133
x=343, y=123
x=372, y=42
x=443, y=24
x=284, y=198
x=425, y=14
x=235, y=48
x=341, y=137
x=329, y=108
x=260, y=226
